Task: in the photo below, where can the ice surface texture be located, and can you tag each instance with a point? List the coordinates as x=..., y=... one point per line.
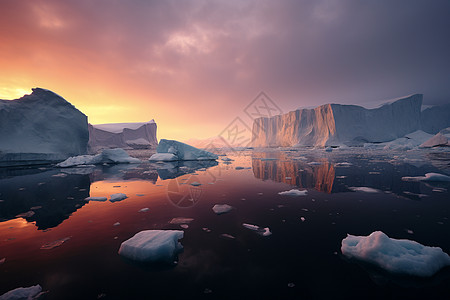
x=152, y=246
x=122, y=135
x=396, y=256
x=180, y=151
x=41, y=125
x=336, y=124
x=114, y=156
x=29, y=293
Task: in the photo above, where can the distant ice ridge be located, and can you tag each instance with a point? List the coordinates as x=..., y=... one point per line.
x=141, y=135
x=113, y=156
x=351, y=125
x=29, y=293
x=396, y=256
x=153, y=246
x=170, y=150
x=41, y=127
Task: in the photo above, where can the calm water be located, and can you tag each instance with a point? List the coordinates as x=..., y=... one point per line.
x=300, y=260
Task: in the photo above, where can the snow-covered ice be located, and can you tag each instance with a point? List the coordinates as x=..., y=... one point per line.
x=28, y=293
x=110, y=156
x=118, y=197
x=396, y=256
x=152, y=246
x=428, y=177
x=260, y=230
x=294, y=192
x=221, y=208
x=181, y=151
x=364, y=189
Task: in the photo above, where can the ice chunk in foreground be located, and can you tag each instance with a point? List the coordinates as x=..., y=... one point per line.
x=181, y=151
x=293, y=192
x=261, y=231
x=428, y=177
x=441, y=139
x=29, y=293
x=118, y=197
x=364, y=189
x=221, y=208
x=396, y=256
x=115, y=156
x=152, y=246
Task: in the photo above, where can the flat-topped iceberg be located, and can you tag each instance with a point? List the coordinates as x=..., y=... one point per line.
x=170, y=150
x=396, y=256
x=152, y=246
x=110, y=156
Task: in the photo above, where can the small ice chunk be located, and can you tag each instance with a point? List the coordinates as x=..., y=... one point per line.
x=293, y=192
x=163, y=157
x=152, y=246
x=221, y=208
x=428, y=177
x=288, y=178
x=206, y=229
x=239, y=168
x=227, y=159
x=29, y=293
x=184, y=226
x=364, y=189
x=55, y=244
x=116, y=224
x=35, y=207
x=260, y=230
x=118, y=197
x=27, y=214
x=101, y=199
x=291, y=284
x=314, y=163
x=303, y=219
x=343, y=164
x=60, y=175
x=227, y=236
x=396, y=256
x=181, y=220
x=2, y=261
x=145, y=209
x=195, y=183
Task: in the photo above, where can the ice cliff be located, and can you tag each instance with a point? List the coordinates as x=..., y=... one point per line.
x=122, y=135
x=352, y=125
x=41, y=127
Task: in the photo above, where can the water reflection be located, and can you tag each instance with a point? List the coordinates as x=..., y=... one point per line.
x=171, y=170
x=46, y=197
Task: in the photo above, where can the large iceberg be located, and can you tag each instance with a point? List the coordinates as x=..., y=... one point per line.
x=336, y=124
x=396, y=256
x=180, y=151
x=109, y=156
x=41, y=127
x=152, y=246
x=122, y=135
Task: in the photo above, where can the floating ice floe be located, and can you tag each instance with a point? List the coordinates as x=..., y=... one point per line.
x=259, y=230
x=2, y=261
x=396, y=256
x=428, y=177
x=364, y=189
x=343, y=164
x=118, y=197
x=195, y=183
x=294, y=192
x=55, y=244
x=27, y=214
x=28, y=293
x=110, y=156
x=145, y=209
x=221, y=208
x=180, y=151
x=227, y=236
x=314, y=163
x=152, y=246
x=227, y=159
x=116, y=224
x=181, y=220
x=101, y=199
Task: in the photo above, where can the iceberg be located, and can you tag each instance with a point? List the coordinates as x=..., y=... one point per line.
x=122, y=135
x=441, y=139
x=110, y=156
x=396, y=256
x=29, y=293
x=259, y=230
x=351, y=125
x=428, y=177
x=152, y=246
x=222, y=208
x=39, y=128
x=181, y=151
x=364, y=189
x=118, y=197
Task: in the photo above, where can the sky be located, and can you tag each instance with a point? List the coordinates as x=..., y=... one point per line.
x=195, y=66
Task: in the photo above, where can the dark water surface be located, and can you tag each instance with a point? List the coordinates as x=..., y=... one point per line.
x=300, y=260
